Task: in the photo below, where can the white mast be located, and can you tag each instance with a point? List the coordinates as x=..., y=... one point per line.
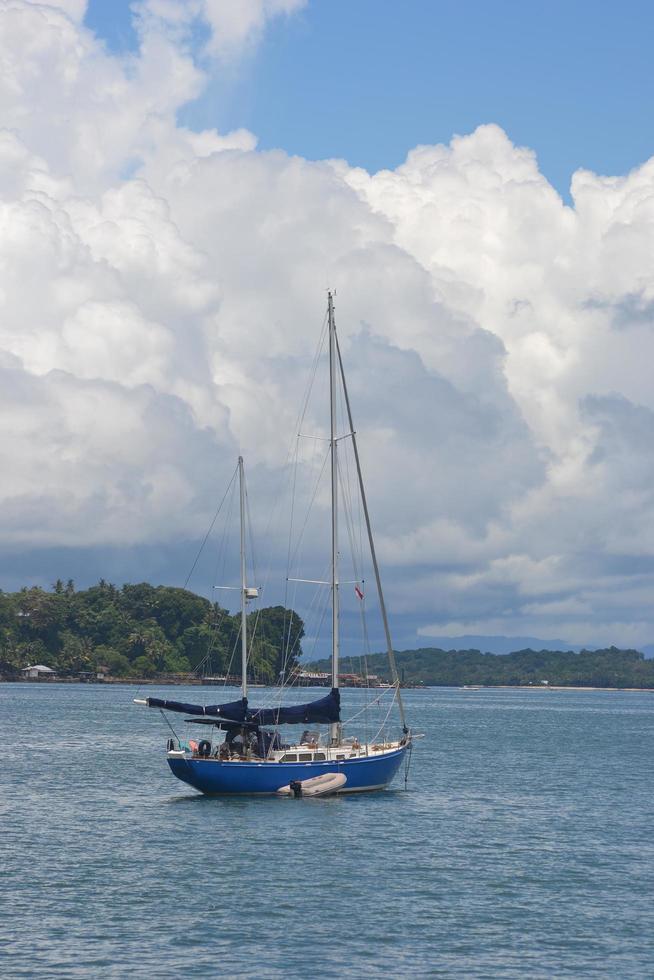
x=335, y=728
x=244, y=636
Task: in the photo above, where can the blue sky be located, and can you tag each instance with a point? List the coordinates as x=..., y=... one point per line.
x=368, y=80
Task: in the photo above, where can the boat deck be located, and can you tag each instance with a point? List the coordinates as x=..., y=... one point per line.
x=299, y=753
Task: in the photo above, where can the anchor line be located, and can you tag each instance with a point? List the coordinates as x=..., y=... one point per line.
x=407, y=766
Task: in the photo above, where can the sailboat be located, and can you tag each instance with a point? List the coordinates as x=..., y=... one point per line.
x=252, y=758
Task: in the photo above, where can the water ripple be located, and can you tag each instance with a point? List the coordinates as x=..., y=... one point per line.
x=523, y=848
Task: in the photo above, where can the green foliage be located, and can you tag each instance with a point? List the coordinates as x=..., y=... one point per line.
x=138, y=630
x=116, y=663
x=143, y=667
x=273, y=634
x=590, y=668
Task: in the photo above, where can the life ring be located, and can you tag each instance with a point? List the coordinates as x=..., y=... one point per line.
x=204, y=748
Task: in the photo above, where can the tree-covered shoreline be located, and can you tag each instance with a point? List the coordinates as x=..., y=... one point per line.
x=431, y=666
x=138, y=631
x=145, y=631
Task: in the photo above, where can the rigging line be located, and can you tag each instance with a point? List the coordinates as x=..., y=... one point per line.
x=226, y=530
x=285, y=640
x=273, y=512
x=385, y=721
x=363, y=662
x=320, y=600
x=377, y=700
x=169, y=725
x=312, y=376
x=254, y=574
x=316, y=632
x=311, y=503
x=360, y=527
x=291, y=552
x=288, y=679
x=281, y=495
x=320, y=594
x=302, y=417
x=347, y=509
x=322, y=609
x=213, y=640
x=365, y=638
x=224, y=612
x=290, y=651
x=218, y=614
x=206, y=537
x=314, y=370
x=346, y=482
x=294, y=556
x=217, y=620
x=263, y=581
x=373, y=553
x=228, y=669
x=221, y=556
x=295, y=440
x=231, y=659
x=291, y=477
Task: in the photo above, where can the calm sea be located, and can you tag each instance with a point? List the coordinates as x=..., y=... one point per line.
x=524, y=847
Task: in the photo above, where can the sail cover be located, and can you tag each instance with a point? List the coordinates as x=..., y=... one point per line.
x=325, y=711
x=322, y=712
x=232, y=711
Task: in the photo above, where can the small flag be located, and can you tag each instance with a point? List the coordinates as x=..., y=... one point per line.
x=358, y=591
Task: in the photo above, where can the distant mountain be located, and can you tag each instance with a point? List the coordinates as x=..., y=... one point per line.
x=554, y=668
x=505, y=644
x=509, y=644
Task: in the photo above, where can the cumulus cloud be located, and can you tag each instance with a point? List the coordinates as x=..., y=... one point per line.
x=233, y=25
x=161, y=294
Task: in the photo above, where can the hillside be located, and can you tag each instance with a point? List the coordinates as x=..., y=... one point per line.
x=137, y=630
x=597, y=668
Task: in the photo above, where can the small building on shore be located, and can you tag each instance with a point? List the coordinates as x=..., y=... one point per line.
x=38, y=672
x=312, y=678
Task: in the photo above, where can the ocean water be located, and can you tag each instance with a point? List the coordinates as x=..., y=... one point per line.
x=523, y=847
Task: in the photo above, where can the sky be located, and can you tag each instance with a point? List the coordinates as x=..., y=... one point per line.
x=367, y=81
x=181, y=181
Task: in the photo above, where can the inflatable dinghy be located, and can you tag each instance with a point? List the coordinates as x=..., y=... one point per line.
x=330, y=782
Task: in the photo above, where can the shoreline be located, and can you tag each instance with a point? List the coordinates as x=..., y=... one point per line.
x=549, y=687
x=197, y=682
x=108, y=681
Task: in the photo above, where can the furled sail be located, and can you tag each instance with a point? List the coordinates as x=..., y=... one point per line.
x=324, y=711
x=231, y=711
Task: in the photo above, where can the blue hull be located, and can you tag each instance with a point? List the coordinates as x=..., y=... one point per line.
x=214, y=777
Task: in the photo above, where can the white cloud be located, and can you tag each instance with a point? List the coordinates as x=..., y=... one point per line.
x=238, y=22
x=234, y=25
x=161, y=291
x=75, y=9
